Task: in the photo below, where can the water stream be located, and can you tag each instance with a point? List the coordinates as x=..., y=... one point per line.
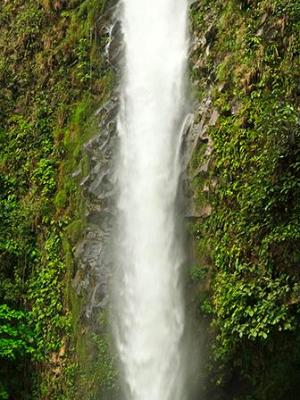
x=149, y=320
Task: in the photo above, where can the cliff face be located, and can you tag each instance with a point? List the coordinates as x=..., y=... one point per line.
x=57, y=109
x=245, y=183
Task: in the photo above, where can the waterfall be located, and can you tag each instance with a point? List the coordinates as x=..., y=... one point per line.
x=148, y=310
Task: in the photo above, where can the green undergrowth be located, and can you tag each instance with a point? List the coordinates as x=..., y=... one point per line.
x=53, y=76
x=251, y=67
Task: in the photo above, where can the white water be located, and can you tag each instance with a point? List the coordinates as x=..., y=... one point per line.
x=148, y=308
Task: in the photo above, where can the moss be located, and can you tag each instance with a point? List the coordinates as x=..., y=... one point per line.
x=74, y=230
x=60, y=200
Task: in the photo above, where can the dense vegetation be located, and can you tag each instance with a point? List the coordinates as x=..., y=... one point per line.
x=249, y=68
x=53, y=75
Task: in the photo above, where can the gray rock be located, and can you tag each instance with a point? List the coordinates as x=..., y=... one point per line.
x=214, y=118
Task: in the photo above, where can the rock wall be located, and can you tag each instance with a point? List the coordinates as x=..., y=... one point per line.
x=243, y=184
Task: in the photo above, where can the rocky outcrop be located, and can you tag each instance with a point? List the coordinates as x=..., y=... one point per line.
x=92, y=253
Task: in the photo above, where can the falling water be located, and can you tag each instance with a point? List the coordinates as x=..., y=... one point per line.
x=148, y=305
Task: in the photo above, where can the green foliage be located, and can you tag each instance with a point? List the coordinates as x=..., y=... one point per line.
x=45, y=295
x=16, y=337
x=61, y=199
x=52, y=76
x=44, y=176
x=3, y=393
x=254, y=233
x=107, y=372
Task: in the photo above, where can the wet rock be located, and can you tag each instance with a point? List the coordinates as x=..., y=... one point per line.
x=91, y=254
x=209, y=149
x=206, y=189
x=115, y=48
x=202, y=170
x=210, y=34
x=207, y=50
x=235, y=109
x=76, y=173
x=202, y=213
x=260, y=32
x=214, y=118
x=264, y=18
x=206, y=211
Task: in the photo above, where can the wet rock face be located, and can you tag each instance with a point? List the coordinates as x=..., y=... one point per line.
x=93, y=253
x=199, y=173
x=201, y=165
x=115, y=47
